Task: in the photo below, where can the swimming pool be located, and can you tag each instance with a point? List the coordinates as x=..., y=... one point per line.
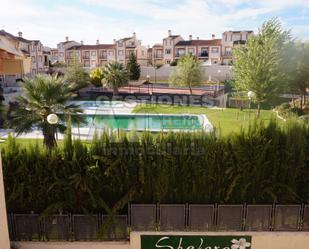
x=151, y=122
x=116, y=115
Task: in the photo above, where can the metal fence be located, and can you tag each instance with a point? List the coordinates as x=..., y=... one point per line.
x=159, y=217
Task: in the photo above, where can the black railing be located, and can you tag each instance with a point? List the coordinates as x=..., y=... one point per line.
x=159, y=217
x=203, y=54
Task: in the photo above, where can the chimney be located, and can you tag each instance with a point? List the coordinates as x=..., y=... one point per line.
x=82, y=42
x=190, y=37
x=20, y=34
x=98, y=42
x=66, y=38
x=134, y=35
x=169, y=32
x=114, y=41
x=213, y=36
x=197, y=38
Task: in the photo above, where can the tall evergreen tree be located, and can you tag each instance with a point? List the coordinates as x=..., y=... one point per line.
x=133, y=67
x=258, y=64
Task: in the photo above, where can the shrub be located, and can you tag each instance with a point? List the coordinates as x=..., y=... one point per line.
x=262, y=165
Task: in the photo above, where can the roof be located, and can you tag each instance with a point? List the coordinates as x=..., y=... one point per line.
x=240, y=31
x=26, y=40
x=213, y=42
x=157, y=45
x=100, y=46
x=65, y=42
x=125, y=39
x=172, y=36
x=4, y=33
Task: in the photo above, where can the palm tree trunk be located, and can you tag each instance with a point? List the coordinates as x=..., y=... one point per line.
x=49, y=136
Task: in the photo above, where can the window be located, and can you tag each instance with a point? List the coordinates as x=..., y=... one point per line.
x=191, y=50
x=143, y=53
x=40, y=58
x=120, y=52
x=110, y=53
x=61, y=54
x=168, y=62
x=86, y=63
x=167, y=51
x=215, y=50
x=33, y=71
x=93, y=63
x=39, y=48
x=120, y=44
x=33, y=59
x=93, y=53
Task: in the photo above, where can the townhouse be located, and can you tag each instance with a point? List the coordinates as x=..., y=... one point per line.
x=230, y=39
x=208, y=51
x=60, y=55
x=213, y=51
x=169, y=43
x=13, y=61
x=91, y=56
x=128, y=45
x=155, y=55
x=35, y=50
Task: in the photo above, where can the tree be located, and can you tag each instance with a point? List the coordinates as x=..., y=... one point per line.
x=187, y=73
x=76, y=74
x=133, y=67
x=258, y=64
x=115, y=76
x=298, y=69
x=96, y=76
x=44, y=95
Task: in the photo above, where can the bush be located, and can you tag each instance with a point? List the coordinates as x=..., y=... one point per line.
x=262, y=165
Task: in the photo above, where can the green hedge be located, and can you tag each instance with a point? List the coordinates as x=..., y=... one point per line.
x=262, y=165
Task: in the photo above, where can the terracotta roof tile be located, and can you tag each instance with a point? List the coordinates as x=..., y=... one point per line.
x=100, y=46
x=213, y=42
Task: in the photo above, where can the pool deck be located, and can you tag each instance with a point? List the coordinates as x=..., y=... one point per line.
x=116, y=109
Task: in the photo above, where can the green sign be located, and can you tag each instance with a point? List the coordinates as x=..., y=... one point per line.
x=195, y=242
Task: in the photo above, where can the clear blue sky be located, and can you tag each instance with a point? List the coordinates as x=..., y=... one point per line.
x=89, y=20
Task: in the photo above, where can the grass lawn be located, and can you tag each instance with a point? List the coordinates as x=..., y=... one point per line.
x=228, y=120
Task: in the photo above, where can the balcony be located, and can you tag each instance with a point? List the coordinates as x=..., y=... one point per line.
x=203, y=54
x=103, y=56
x=179, y=54
x=158, y=56
x=227, y=54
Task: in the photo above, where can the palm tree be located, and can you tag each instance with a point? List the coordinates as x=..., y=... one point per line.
x=44, y=95
x=115, y=76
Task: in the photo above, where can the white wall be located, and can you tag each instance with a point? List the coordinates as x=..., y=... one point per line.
x=215, y=72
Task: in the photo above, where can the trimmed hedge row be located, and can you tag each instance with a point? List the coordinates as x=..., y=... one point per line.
x=265, y=164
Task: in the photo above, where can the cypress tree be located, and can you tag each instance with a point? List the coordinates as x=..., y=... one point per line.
x=133, y=67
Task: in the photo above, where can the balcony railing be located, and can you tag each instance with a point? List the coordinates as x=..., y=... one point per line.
x=227, y=54
x=203, y=54
x=158, y=56
x=103, y=57
x=86, y=57
x=179, y=54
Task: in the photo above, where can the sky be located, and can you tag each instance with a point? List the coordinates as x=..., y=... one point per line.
x=89, y=20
